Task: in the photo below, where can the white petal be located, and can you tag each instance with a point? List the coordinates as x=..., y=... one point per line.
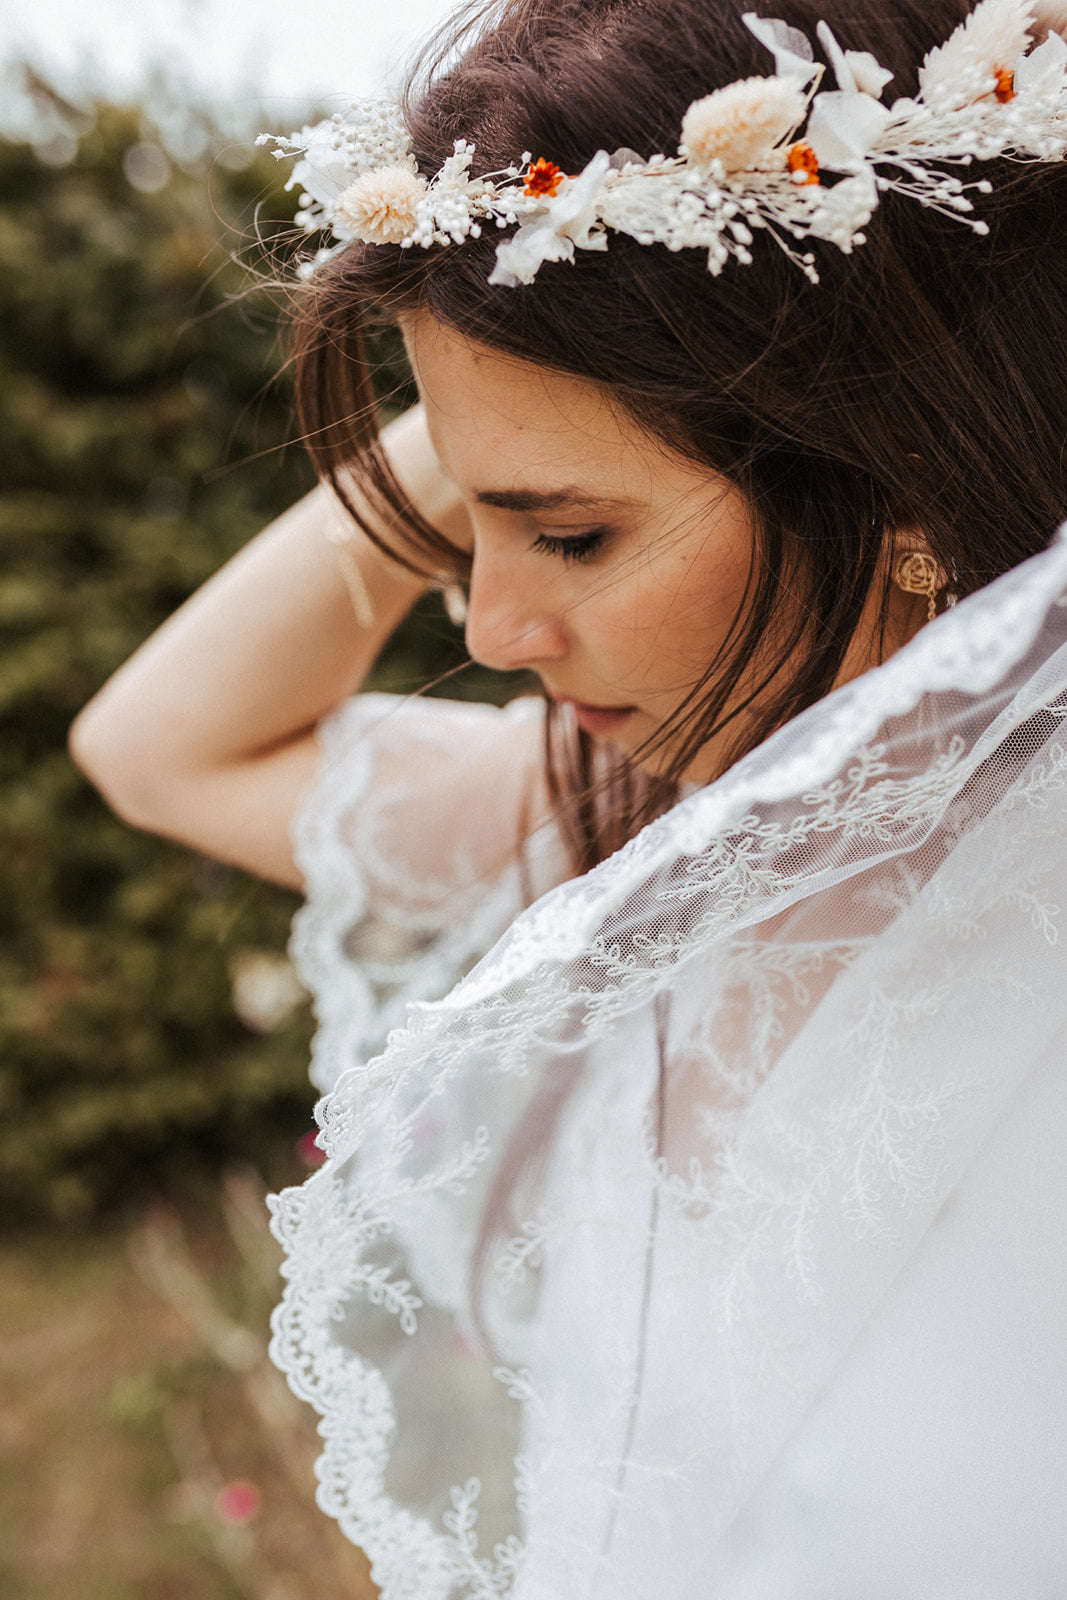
x=843, y=127
x=842, y=71
x=324, y=170
x=573, y=211
x=856, y=71
x=1042, y=71
x=869, y=76
x=580, y=192
x=792, y=52
x=518, y=258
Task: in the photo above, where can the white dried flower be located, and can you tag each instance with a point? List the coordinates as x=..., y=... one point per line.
x=741, y=124
x=737, y=171
x=381, y=207
x=792, y=52
x=869, y=76
x=856, y=71
x=842, y=128
x=845, y=210
x=1042, y=71
x=993, y=37
x=564, y=221
x=324, y=169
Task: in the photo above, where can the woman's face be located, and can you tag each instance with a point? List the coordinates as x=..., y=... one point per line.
x=601, y=562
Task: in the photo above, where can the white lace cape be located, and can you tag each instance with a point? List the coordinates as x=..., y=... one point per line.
x=711, y=1096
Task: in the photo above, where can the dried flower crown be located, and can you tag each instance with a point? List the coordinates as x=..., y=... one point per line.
x=751, y=157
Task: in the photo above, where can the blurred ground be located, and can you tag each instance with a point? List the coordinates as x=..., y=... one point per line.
x=149, y=1450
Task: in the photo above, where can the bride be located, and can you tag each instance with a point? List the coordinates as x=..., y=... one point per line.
x=691, y=1035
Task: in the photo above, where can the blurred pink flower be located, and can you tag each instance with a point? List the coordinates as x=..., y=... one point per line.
x=309, y=1152
x=237, y=1502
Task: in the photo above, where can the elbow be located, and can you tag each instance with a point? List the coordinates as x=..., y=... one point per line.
x=97, y=754
x=123, y=774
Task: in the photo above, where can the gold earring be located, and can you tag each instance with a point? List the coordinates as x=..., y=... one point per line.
x=916, y=573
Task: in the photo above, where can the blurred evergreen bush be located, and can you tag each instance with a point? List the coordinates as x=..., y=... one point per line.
x=143, y=438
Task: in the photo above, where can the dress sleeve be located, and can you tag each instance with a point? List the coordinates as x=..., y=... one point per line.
x=426, y=832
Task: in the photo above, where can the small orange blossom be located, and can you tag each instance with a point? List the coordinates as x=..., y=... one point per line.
x=1005, y=84
x=544, y=177
x=802, y=158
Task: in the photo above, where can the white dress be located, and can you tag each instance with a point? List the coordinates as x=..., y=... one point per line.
x=770, y=1116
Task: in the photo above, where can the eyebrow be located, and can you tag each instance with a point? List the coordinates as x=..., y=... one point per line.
x=542, y=499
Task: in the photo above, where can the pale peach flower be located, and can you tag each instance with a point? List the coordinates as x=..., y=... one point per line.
x=380, y=207
x=741, y=124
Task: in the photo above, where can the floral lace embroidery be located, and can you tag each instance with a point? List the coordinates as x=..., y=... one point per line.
x=701, y=902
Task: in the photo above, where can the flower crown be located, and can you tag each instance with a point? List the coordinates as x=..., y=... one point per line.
x=751, y=157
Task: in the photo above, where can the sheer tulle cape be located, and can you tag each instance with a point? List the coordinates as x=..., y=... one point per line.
x=599, y=1222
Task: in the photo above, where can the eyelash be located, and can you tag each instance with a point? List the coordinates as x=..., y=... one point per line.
x=579, y=547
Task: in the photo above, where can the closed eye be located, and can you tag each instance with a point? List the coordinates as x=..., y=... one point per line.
x=573, y=547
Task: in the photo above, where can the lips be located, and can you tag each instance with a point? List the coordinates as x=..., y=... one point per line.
x=598, y=721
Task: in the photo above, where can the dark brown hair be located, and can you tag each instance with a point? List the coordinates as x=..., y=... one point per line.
x=921, y=383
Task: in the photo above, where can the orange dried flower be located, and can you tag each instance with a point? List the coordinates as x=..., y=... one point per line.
x=1005, y=85
x=802, y=158
x=544, y=177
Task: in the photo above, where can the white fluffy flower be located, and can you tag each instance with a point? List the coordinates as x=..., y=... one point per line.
x=380, y=207
x=994, y=36
x=741, y=124
x=341, y=148
x=566, y=220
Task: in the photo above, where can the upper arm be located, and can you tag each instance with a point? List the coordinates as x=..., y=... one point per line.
x=207, y=734
x=240, y=813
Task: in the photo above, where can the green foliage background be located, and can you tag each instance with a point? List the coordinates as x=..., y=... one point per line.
x=144, y=436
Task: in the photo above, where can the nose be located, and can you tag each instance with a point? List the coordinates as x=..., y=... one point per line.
x=511, y=624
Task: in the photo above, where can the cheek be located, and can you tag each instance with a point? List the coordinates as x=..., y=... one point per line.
x=686, y=609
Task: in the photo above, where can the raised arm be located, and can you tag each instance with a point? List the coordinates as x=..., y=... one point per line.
x=206, y=734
